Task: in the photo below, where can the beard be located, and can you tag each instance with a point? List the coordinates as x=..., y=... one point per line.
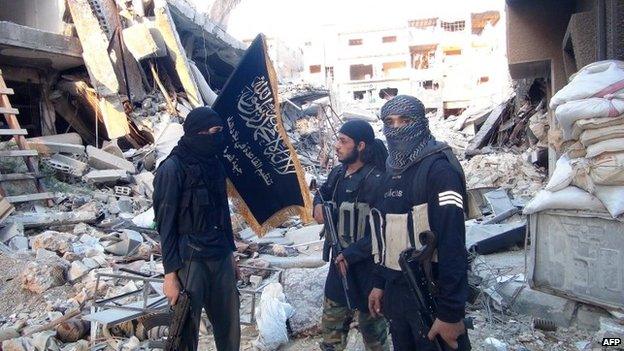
x=352, y=157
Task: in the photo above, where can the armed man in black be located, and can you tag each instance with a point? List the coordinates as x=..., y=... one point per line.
x=193, y=220
x=424, y=190
x=349, y=189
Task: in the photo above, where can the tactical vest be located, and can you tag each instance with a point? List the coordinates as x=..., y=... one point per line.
x=402, y=213
x=202, y=206
x=351, y=217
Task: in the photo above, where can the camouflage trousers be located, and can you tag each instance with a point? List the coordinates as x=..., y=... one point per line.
x=335, y=326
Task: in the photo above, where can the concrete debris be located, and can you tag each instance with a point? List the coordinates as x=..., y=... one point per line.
x=11, y=230
x=67, y=165
x=39, y=276
x=504, y=170
x=53, y=241
x=102, y=160
x=304, y=291
x=105, y=176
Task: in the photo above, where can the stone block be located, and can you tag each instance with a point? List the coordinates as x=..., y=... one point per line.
x=53, y=241
x=141, y=43
x=77, y=270
x=18, y=243
x=103, y=160
x=67, y=165
x=105, y=176
x=39, y=276
x=11, y=230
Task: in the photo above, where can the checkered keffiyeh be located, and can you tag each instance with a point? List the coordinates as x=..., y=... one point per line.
x=403, y=105
x=405, y=143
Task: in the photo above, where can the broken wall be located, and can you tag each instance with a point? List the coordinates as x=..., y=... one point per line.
x=46, y=15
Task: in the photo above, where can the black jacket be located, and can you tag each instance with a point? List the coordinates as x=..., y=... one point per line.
x=443, y=189
x=338, y=188
x=188, y=211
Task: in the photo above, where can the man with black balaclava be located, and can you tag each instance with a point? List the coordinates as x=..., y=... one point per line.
x=193, y=220
x=424, y=190
x=349, y=189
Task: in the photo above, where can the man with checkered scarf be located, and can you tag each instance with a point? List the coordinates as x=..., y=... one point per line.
x=424, y=189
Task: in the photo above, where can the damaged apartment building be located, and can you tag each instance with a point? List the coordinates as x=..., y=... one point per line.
x=449, y=62
x=87, y=66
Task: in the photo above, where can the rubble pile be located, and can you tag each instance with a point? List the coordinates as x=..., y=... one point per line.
x=505, y=170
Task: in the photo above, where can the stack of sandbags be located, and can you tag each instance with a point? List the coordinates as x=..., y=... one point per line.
x=589, y=132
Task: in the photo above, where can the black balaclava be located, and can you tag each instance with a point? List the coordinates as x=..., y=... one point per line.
x=203, y=150
x=202, y=146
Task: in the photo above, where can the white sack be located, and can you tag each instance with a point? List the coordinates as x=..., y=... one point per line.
x=562, y=176
x=612, y=197
x=573, y=111
x=611, y=145
x=167, y=140
x=594, y=80
x=271, y=318
x=570, y=198
x=145, y=219
x=595, y=123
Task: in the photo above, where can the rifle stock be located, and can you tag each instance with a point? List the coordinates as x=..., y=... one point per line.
x=418, y=276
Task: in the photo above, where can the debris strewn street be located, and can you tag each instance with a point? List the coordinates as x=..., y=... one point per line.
x=94, y=99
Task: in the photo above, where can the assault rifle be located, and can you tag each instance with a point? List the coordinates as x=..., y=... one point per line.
x=332, y=236
x=416, y=267
x=179, y=315
x=180, y=311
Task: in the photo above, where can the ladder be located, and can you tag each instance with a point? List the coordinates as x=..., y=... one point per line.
x=30, y=156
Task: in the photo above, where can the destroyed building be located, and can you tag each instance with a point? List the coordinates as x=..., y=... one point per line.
x=100, y=89
x=44, y=42
x=439, y=59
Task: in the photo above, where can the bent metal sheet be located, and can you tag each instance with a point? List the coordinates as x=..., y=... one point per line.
x=266, y=181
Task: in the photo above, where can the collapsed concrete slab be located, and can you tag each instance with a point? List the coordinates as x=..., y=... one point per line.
x=23, y=44
x=67, y=164
x=47, y=219
x=100, y=68
x=142, y=44
x=100, y=159
x=105, y=176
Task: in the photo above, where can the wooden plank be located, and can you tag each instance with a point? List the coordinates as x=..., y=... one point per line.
x=30, y=197
x=13, y=123
x=18, y=153
x=13, y=132
x=5, y=209
x=9, y=177
x=7, y=91
x=9, y=110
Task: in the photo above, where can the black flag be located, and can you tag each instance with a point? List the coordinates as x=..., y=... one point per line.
x=266, y=181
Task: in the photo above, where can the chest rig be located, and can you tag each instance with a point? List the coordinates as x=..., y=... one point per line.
x=351, y=216
x=402, y=211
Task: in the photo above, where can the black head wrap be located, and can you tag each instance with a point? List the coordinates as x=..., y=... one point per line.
x=375, y=151
x=202, y=149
